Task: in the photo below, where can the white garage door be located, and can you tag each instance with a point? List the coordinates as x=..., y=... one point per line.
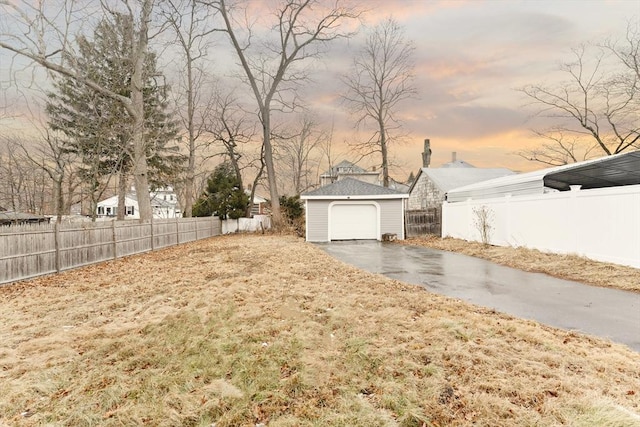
x=351, y=222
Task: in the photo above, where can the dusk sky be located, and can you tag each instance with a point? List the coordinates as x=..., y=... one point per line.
x=471, y=57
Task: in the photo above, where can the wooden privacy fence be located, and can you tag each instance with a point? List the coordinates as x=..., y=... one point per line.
x=35, y=249
x=421, y=222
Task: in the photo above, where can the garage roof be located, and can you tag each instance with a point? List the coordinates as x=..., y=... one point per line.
x=349, y=188
x=609, y=171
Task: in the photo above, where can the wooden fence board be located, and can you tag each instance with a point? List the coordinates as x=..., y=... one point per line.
x=32, y=250
x=421, y=222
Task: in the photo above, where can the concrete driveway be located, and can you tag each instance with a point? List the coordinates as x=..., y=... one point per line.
x=607, y=313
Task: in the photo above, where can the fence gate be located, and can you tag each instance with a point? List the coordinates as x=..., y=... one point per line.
x=421, y=222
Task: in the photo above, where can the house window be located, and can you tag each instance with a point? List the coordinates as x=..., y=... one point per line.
x=100, y=210
x=130, y=210
x=108, y=210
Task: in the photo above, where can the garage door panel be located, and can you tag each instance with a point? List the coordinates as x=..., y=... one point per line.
x=353, y=222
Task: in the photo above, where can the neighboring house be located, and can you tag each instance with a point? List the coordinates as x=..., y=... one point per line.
x=164, y=204
x=350, y=209
x=589, y=208
x=15, y=218
x=346, y=169
x=427, y=193
x=259, y=205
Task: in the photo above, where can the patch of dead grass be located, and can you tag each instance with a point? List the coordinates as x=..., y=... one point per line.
x=570, y=267
x=247, y=329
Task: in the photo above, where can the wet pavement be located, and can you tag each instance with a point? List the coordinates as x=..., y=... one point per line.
x=607, y=313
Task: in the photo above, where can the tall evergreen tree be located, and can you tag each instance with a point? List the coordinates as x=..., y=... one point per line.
x=224, y=195
x=100, y=130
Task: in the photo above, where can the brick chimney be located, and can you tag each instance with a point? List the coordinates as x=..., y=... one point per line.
x=426, y=154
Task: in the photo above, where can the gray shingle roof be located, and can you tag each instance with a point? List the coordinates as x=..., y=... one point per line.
x=352, y=187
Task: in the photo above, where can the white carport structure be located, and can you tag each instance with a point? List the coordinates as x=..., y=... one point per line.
x=599, y=220
x=350, y=209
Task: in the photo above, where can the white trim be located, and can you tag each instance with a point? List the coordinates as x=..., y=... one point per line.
x=369, y=202
x=306, y=220
x=358, y=197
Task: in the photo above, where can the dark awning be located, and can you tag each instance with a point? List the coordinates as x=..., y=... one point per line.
x=611, y=171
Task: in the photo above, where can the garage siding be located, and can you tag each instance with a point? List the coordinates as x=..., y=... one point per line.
x=391, y=218
x=317, y=220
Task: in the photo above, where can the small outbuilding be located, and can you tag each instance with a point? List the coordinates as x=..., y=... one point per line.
x=350, y=209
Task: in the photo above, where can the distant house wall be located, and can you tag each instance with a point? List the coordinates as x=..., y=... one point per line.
x=425, y=207
x=601, y=224
x=425, y=194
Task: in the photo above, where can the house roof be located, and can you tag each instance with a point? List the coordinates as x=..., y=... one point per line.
x=20, y=217
x=349, y=188
x=345, y=164
x=448, y=178
x=457, y=164
x=609, y=171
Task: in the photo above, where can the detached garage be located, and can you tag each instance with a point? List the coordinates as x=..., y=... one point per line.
x=353, y=210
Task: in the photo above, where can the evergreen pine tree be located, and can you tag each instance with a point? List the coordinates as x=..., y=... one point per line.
x=99, y=129
x=224, y=195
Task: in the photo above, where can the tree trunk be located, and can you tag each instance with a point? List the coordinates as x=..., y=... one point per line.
x=189, y=185
x=276, y=217
x=384, y=152
x=140, y=176
x=59, y=196
x=122, y=193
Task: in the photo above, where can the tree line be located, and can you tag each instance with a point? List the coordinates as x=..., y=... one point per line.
x=113, y=120
x=110, y=121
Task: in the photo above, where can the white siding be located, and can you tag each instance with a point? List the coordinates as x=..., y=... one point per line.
x=317, y=220
x=391, y=218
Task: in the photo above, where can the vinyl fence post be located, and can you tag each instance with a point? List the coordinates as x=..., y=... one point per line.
x=115, y=241
x=196, y=222
x=56, y=240
x=177, y=232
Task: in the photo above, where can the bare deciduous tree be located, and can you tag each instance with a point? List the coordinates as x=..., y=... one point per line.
x=296, y=154
x=381, y=78
x=50, y=156
x=32, y=43
x=596, y=108
x=302, y=27
x=189, y=21
x=232, y=128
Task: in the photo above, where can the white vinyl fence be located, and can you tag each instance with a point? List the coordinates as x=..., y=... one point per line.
x=32, y=250
x=257, y=223
x=602, y=224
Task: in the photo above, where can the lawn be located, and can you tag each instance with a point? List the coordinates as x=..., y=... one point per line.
x=570, y=267
x=247, y=330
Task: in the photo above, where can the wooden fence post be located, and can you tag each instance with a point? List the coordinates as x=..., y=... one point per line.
x=115, y=240
x=152, y=239
x=56, y=240
x=196, y=221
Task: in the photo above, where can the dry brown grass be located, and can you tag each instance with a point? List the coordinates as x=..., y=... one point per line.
x=250, y=329
x=570, y=267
